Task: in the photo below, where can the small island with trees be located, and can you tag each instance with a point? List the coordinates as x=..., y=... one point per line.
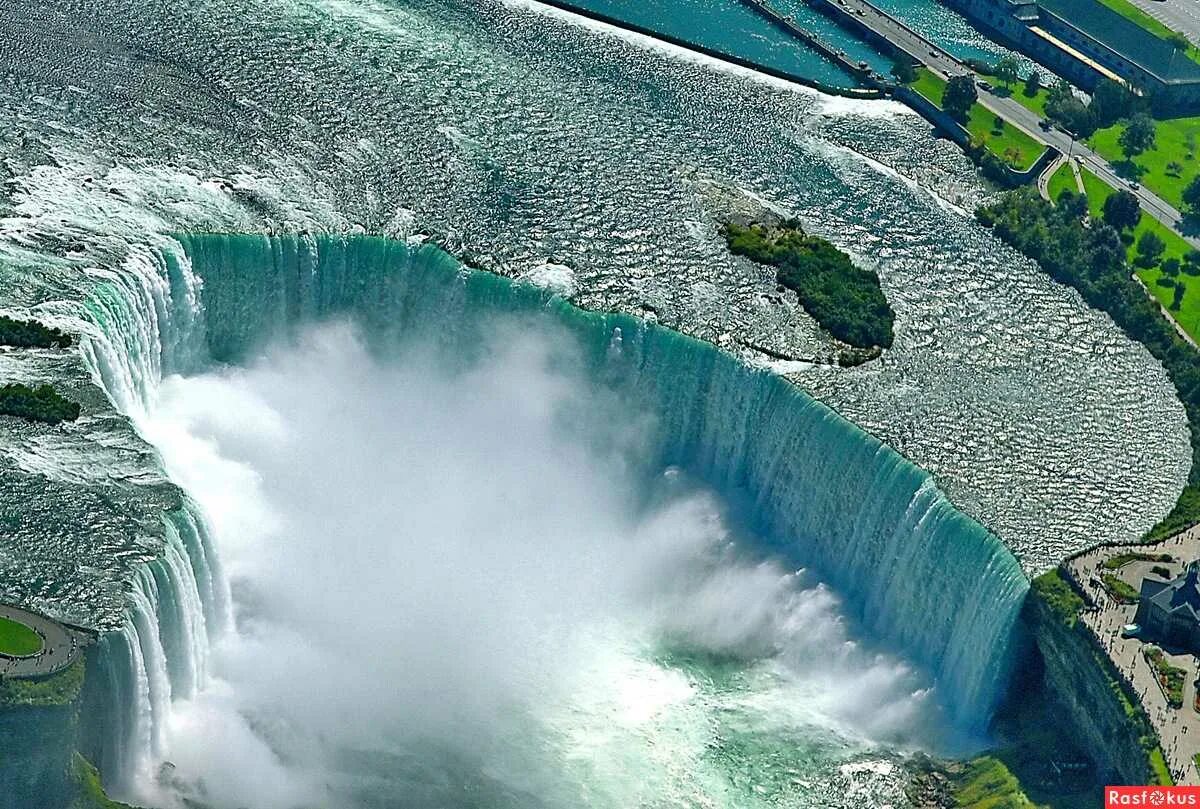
x=31, y=334
x=846, y=300
x=42, y=403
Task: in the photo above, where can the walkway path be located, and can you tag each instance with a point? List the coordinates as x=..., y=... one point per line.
x=1043, y=182
x=61, y=646
x=1179, y=730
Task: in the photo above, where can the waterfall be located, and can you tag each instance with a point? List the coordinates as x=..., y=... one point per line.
x=917, y=573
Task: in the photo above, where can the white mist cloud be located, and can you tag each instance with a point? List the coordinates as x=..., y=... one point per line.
x=452, y=573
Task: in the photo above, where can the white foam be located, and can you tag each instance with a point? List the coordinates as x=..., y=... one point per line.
x=558, y=278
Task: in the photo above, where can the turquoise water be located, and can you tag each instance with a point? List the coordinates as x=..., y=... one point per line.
x=930, y=592
x=917, y=571
x=733, y=27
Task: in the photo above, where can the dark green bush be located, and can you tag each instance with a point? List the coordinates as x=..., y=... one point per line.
x=846, y=300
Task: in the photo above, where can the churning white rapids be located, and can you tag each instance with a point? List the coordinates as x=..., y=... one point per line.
x=452, y=591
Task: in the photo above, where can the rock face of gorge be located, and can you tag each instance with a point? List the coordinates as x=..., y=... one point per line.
x=1080, y=681
x=39, y=746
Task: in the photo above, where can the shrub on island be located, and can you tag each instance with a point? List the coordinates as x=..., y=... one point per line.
x=42, y=403
x=31, y=334
x=845, y=300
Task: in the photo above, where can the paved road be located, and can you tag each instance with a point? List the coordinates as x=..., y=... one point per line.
x=61, y=645
x=1178, y=15
x=1179, y=730
x=945, y=65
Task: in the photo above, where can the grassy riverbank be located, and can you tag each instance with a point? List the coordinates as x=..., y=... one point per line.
x=1168, y=167
x=1001, y=138
x=1155, y=277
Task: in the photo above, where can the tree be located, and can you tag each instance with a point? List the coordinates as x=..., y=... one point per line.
x=1191, y=196
x=1177, y=296
x=1073, y=205
x=904, y=71
x=1149, y=247
x=1006, y=70
x=1075, y=116
x=1174, y=168
x=1111, y=102
x=1033, y=83
x=1139, y=135
x=1122, y=211
x=1170, y=267
x=960, y=96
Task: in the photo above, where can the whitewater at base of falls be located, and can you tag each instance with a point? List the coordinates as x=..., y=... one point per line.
x=912, y=572
x=455, y=579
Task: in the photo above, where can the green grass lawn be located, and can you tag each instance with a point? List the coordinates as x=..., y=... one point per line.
x=1173, y=138
x=1006, y=141
x=1188, y=315
x=17, y=639
x=989, y=784
x=1158, y=765
x=1036, y=103
x=1062, y=180
x=1131, y=12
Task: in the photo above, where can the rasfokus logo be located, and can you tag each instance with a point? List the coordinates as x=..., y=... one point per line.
x=1151, y=796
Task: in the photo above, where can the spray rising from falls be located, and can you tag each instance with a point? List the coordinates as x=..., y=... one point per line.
x=915, y=572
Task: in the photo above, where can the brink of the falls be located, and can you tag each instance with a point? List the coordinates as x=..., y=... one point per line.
x=921, y=577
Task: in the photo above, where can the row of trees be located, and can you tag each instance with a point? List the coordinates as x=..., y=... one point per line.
x=1092, y=259
x=1111, y=102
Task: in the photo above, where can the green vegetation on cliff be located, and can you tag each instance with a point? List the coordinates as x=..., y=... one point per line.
x=57, y=689
x=18, y=640
x=42, y=403
x=1052, y=610
x=31, y=334
x=1169, y=676
x=986, y=783
x=1120, y=589
x=1121, y=559
x=1093, y=260
x=91, y=791
x=1056, y=594
x=846, y=300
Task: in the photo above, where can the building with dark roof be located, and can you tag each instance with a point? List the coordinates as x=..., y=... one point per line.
x=1085, y=41
x=1169, y=611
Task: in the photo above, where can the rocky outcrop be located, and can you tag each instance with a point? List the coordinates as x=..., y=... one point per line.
x=1079, y=679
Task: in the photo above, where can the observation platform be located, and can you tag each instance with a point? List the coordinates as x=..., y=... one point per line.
x=61, y=645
